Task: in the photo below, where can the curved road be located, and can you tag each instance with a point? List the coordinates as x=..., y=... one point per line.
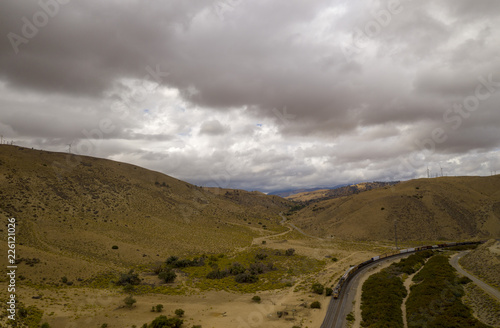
x=339, y=308
x=487, y=288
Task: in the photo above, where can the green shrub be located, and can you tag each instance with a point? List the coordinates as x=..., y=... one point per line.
x=167, y=276
x=129, y=278
x=260, y=256
x=381, y=300
x=129, y=301
x=217, y=274
x=114, y=247
x=435, y=301
x=164, y=322
x=256, y=299
x=128, y=288
x=318, y=288
x=316, y=305
x=328, y=291
x=159, y=307
x=179, y=312
x=246, y=277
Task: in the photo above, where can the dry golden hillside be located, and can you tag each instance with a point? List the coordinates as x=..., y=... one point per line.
x=484, y=262
x=71, y=208
x=446, y=208
x=323, y=194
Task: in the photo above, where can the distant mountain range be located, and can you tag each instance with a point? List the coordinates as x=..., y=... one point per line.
x=329, y=192
x=444, y=208
x=288, y=192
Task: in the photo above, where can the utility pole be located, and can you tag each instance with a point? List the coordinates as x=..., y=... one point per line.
x=441, y=169
x=396, y=233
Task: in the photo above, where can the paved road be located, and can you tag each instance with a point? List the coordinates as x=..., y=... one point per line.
x=487, y=288
x=339, y=308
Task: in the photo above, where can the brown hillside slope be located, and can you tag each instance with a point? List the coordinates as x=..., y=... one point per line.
x=82, y=206
x=447, y=208
x=484, y=262
x=324, y=194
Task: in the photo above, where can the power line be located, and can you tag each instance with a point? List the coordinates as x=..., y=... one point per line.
x=396, y=233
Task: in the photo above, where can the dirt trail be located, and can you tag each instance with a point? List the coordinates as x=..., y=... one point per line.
x=408, y=283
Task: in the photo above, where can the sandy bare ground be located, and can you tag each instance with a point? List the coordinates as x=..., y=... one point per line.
x=407, y=283
x=85, y=307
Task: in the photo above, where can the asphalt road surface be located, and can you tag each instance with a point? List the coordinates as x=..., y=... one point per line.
x=339, y=308
x=487, y=288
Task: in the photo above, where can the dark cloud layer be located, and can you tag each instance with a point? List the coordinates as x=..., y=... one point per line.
x=265, y=94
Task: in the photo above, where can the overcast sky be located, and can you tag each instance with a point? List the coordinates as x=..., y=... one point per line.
x=258, y=95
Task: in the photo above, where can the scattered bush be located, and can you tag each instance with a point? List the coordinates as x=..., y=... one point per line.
x=128, y=288
x=114, y=247
x=246, y=277
x=260, y=256
x=217, y=274
x=129, y=278
x=318, y=288
x=129, y=301
x=328, y=291
x=167, y=276
x=174, y=262
x=256, y=299
x=290, y=252
x=179, y=312
x=159, y=307
x=164, y=322
x=316, y=305
x=236, y=269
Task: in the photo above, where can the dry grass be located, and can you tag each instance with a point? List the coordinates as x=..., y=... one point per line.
x=447, y=208
x=485, y=308
x=484, y=262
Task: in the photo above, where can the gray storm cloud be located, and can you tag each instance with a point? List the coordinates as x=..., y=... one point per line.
x=266, y=94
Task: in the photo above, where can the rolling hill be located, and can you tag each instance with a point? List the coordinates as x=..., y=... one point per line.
x=446, y=208
x=341, y=191
x=71, y=208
